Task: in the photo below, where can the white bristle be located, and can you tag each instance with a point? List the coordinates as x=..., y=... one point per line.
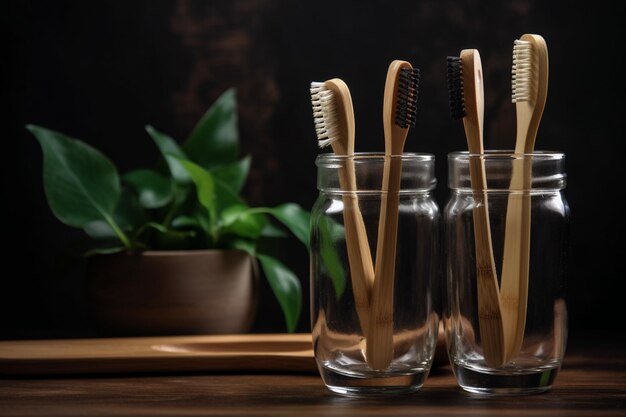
x=324, y=114
x=522, y=71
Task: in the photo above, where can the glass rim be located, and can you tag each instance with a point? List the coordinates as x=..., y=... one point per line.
x=329, y=157
x=503, y=154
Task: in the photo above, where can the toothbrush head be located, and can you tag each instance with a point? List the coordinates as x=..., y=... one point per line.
x=325, y=114
x=523, y=87
x=406, y=97
x=455, y=87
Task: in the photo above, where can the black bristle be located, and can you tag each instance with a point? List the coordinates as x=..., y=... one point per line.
x=406, y=98
x=455, y=87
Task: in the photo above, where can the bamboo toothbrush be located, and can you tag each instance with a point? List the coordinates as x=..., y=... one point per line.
x=334, y=124
x=399, y=110
x=530, y=88
x=465, y=83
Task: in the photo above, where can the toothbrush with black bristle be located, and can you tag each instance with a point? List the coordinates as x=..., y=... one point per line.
x=399, y=113
x=529, y=93
x=333, y=116
x=465, y=85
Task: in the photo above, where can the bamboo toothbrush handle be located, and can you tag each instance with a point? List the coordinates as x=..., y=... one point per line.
x=380, y=343
x=398, y=115
x=489, y=313
x=516, y=257
x=489, y=310
x=359, y=255
x=516, y=253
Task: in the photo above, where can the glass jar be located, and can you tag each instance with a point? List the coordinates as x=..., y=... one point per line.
x=353, y=311
x=526, y=320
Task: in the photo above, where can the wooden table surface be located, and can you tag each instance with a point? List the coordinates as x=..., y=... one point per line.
x=592, y=382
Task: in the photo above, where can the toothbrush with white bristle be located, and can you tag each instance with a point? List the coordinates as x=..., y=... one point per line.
x=529, y=92
x=325, y=115
x=333, y=115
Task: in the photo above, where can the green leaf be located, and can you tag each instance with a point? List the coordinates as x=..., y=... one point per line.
x=294, y=217
x=168, y=146
x=240, y=220
x=106, y=250
x=245, y=245
x=203, y=221
x=185, y=221
x=205, y=185
x=286, y=288
x=215, y=138
x=233, y=175
x=153, y=189
x=222, y=195
x=128, y=215
x=165, y=238
x=81, y=184
x=271, y=230
x=99, y=230
x=164, y=230
x=225, y=197
x=182, y=200
x=328, y=253
x=231, y=214
x=205, y=189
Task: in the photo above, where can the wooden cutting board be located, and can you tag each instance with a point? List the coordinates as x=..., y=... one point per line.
x=250, y=352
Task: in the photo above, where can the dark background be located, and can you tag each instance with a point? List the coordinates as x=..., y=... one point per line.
x=101, y=70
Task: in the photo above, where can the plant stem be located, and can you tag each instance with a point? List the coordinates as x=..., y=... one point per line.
x=180, y=193
x=257, y=210
x=170, y=213
x=119, y=232
x=215, y=234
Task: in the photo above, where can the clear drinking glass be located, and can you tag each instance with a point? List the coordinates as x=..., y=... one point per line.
x=530, y=188
x=340, y=295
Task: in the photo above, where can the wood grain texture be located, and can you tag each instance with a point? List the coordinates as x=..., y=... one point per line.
x=246, y=352
x=489, y=309
x=516, y=258
x=592, y=383
x=380, y=340
x=358, y=248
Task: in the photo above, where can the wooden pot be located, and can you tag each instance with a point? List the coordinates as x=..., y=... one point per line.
x=172, y=292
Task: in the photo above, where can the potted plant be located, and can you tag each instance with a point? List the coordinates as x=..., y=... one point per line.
x=175, y=247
